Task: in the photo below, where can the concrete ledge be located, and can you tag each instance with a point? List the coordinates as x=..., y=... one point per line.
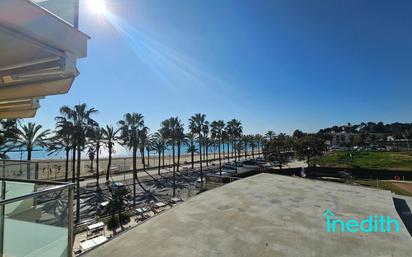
x=265, y=215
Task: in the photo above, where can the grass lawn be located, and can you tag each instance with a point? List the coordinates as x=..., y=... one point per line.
x=384, y=185
x=368, y=160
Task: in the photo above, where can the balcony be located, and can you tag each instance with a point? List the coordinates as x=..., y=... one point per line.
x=35, y=216
x=39, y=47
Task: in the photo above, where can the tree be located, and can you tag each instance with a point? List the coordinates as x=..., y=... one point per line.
x=191, y=146
x=31, y=135
x=116, y=206
x=206, y=142
x=8, y=135
x=245, y=139
x=259, y=141
x=173, y=128
x=80, y=116
x=217, y=129
x=144, y=141
x=196, y=125
x=308, y=147
x=110, y=137
x=130, y=128
x=91, y=152
x=234, y=129
x=159, y=144
x=269, y=135
x=65, y=129
x=226, y=140
x=62, y=141
x=278, y=149
x=96, y=142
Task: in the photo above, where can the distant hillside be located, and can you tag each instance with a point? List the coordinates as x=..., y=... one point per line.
x=398, y=130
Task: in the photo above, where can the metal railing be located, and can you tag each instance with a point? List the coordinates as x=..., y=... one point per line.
x=11, y=169
x=37, y=213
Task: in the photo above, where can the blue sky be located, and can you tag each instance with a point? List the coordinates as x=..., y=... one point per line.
x=276, y=64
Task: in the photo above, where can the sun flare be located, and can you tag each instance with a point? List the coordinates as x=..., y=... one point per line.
x=97, y=6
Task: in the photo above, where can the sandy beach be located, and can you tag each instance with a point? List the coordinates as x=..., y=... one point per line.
x=55, y=169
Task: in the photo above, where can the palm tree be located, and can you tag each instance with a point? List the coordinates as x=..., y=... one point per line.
x=196, y=125
x=96, y=141
x=191, y=147
x=245, y=139
x=30, y=135
x=234, y=128
x=159, y=144
x=173, y=129
x=164, y=134
x=253, y=145
x=259, y=140
x=8, y=135
x=217, y=128
x=269, y=135
x=110, y=137
x=91, y=152
x=143, y=143
x=62, y=141
x=226, y=140
x=80, y=116
x=206, y=141
x=130, y=128
x=65, y=128
x=180, y=139
x=149, y=149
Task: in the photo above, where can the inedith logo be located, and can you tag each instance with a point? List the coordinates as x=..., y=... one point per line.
x=373, y=224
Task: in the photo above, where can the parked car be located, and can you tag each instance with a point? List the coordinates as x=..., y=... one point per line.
x=198, y=182
x=116, y=186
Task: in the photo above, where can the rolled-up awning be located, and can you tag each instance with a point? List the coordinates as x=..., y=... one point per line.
x=38, y=53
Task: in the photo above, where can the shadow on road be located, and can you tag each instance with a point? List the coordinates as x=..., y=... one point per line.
x=404, y=212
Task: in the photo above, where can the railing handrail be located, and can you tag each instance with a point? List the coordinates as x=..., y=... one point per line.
x=35, y=181
x=2, y=162
x=59, y=187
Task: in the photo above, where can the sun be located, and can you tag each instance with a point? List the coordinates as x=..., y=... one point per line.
x=97, y=6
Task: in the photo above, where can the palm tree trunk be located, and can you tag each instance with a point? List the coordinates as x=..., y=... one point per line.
x=66, y=172
x=29, y=149
x=207, y=155
x=148, y=157
x=97, y=164
x=174, y=171
x=143, y=159
x=158, y=167
x=78, y=184
x=74, y=164
x=223, y=150
x=109, y=162
x=163, y=159
x=193, y=157
x=136, y=178
x=220, y=162
x=234, y=150
x=134, y=175
x=200, y=156
x=178, y=156
x=228, y=151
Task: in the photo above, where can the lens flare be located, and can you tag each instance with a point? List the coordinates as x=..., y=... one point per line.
x=97, y=6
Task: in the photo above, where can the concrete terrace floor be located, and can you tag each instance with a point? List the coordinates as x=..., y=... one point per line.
x=265, y=215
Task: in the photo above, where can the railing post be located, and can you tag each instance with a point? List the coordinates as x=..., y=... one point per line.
x=36, y=170
x=2, y=212
x=4, y=169
x=70, y=238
